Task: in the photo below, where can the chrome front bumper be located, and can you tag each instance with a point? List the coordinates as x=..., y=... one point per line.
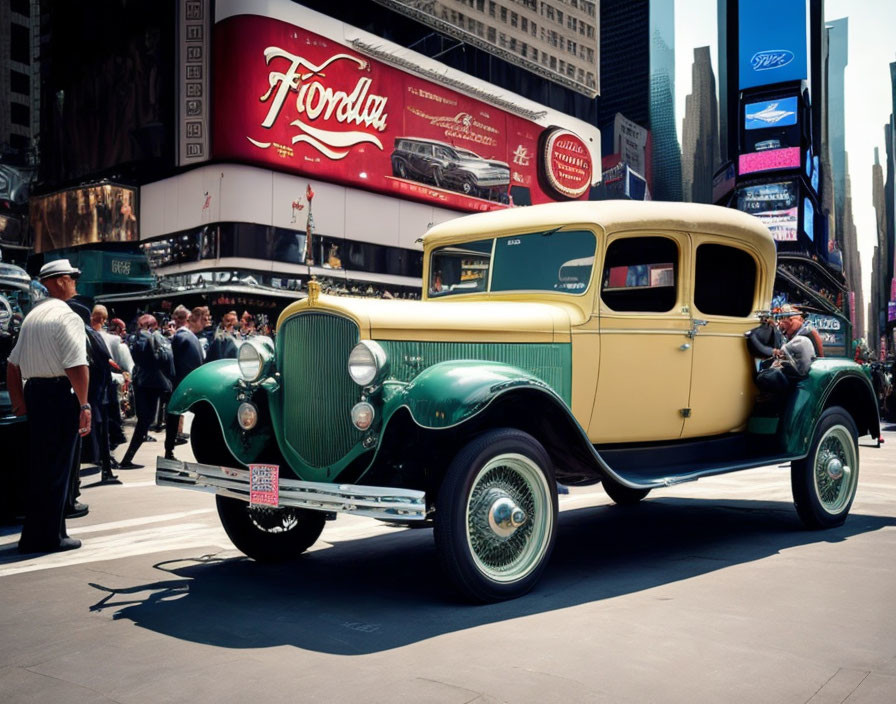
x=371, y=501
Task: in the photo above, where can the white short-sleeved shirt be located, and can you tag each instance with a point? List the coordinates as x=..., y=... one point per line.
x=52, y=339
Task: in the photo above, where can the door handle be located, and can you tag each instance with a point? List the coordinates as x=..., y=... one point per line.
x=685, y=346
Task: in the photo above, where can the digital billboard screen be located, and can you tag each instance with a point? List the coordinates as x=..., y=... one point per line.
x=773, y=36
x=775, y=204
x=780, y=112
x=769, y=160
x=293, y=100
x=102, y=213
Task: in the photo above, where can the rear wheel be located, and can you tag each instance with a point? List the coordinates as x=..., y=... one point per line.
x=623, y=495
x=269, y=534
x=824, y=482
x=496, y=516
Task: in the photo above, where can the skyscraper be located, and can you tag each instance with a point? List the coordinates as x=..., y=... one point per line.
x=700, y=131
x=838, y=56
x=666, y=149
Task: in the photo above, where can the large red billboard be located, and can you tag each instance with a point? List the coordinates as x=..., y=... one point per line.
x=295, y=101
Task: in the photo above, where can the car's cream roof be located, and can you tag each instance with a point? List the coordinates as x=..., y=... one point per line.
x=611, y=216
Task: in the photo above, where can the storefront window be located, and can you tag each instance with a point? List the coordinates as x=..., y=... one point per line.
x=250, y=241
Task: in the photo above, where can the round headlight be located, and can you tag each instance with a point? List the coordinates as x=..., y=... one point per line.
x=362, y=415
x=247, y=415
x=365, y=362
x=249, y=361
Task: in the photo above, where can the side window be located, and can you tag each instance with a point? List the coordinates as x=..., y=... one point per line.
x=724, y=281
x=641, y=275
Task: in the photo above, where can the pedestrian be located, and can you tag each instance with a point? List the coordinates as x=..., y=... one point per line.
x=187, y=356
x=124, y=364
x=225, y=343
x=96, y=444
x=51, y=357
x=153, y=371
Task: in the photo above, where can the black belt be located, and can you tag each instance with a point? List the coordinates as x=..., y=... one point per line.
x=48, y=380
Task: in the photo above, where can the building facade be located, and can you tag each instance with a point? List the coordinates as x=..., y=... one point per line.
x=305, y=145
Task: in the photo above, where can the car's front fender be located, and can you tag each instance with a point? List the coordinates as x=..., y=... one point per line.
x=449, y=393
x=218, y=384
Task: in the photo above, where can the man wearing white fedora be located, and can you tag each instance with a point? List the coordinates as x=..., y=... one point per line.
x=51, y=354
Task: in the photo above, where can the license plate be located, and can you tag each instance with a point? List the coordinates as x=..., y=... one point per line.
x=264, y=484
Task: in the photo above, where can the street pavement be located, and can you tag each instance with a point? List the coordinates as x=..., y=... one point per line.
x=706, y=592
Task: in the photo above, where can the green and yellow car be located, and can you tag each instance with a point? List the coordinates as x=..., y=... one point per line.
x=575, y=343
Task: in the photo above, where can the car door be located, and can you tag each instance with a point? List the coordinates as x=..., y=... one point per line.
x=725, y=297
x=645, y=351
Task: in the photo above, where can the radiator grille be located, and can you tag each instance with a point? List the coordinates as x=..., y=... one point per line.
x=318, y=393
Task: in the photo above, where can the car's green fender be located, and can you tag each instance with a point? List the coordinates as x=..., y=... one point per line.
x=831, y=382
x=449, y=393
x=218, y=383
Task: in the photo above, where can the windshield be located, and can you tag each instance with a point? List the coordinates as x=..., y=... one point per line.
x=543, y=261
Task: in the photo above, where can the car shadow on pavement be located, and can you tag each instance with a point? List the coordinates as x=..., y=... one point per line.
x=387, y=591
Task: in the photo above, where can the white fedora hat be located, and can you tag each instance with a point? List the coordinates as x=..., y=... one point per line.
x=58, y=267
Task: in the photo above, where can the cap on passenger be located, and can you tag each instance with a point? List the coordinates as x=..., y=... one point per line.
x=787, y=311
x=58, y=267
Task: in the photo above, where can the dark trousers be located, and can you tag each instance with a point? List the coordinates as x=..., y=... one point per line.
x=52, y=439
x=116, y=431
x=146, y=400
x=172, y=422
x=100, y=434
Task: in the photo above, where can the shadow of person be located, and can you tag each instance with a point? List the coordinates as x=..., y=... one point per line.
x=384, y=592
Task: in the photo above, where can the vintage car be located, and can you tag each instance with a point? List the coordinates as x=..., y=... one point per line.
x=576, y=343
x=449, y=166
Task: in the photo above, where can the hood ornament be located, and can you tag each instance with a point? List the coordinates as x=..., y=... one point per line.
x=313, y=292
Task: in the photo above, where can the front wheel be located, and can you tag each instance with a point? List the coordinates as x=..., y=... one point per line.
x=269, y=535
x=496, y=516
x=824, y=482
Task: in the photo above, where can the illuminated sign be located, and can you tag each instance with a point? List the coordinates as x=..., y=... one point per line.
x=769, y=160
x=296, y=101
x=808, y=219
x=102, y=213
x=775, y=204
x=773, y=36
x=829, y=327
x=567, y=164
x=770, y=113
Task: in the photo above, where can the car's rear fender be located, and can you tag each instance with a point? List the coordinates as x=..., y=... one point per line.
x=830, y=383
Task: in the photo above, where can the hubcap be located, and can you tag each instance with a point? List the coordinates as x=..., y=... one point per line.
x=504, y=516
x=836, y=460
x=509, y=517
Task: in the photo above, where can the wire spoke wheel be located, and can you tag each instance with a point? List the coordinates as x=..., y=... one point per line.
x=835, y=463
x=273, y=521
x=507, y=517
x=824, y=483
x=496, y=515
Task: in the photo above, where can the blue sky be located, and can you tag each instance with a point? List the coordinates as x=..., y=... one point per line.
x=872, y=47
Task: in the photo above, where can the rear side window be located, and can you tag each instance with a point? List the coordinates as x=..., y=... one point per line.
x=724, y=281
x=641, y=275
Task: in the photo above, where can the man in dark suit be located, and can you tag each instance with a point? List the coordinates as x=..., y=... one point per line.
x=153, y=371
x=187, y=356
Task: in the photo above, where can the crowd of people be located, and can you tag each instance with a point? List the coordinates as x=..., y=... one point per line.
x=78, y=365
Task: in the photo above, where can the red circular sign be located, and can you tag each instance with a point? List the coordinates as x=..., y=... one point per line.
x=567, y=163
